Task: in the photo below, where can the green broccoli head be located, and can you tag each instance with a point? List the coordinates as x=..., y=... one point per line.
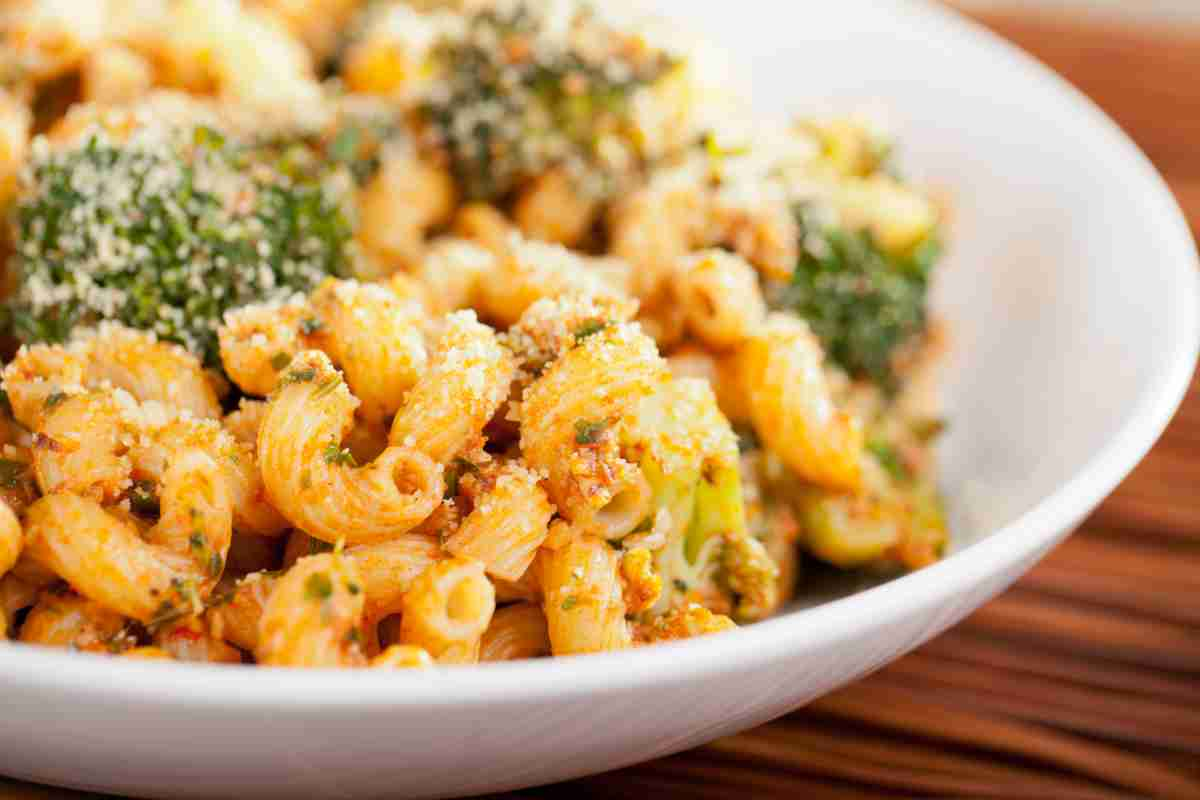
x=164, y=232
x=861, y=301
x=517, y=102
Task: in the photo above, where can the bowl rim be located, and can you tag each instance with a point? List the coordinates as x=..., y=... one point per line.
x=283, y=691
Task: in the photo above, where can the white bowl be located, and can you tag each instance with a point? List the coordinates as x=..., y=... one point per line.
x=1073, y=291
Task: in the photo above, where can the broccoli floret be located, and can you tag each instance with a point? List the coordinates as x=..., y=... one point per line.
x=165, y=232
x=517, y=102
x=861, y=301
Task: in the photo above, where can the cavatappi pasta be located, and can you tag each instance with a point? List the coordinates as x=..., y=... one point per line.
x=407, y=335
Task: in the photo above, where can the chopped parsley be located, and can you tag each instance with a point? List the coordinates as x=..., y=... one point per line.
x=310, y=325
x=889, y=459
x=316, y=546
x=589, y=431
x=12, y=472
x=570, y=602
x=54, y=399
x=318, y=587
x=280, y=360
x=305, y=375
x=340, y=456
x=455, y=472
x=926, y=430
x=590, y=328
x=327, y=388
x=143, y=497
x=680, y=585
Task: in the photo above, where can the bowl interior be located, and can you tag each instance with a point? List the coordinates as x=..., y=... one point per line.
x=1053, y=291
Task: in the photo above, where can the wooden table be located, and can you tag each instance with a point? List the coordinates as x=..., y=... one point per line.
x=1083, y=681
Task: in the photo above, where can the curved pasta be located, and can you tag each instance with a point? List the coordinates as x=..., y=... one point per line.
x=682, y=209
x=38, y=373
x=552, y=209
x=189, y=639
x=164, y=436
x=311, y=615
x=583, y=601
x=516, y=631
x=16, y=123
x=259, y=341
x=82, y=446
x=507, y=525
x=11, y=538
x=527, y=271
x=308, y=478
x=106, y=560
x=244, y=422
x=63, y=619
x=451, y=271
x=389, y=569
x=552, y=326
x=147, y=653
x=403, y=656
x=405, y=198
x=781, y=373
x=571, y=417
x=721, y=296
x=148, y=369
x=467, y=380
x=235, y=618
x=447, y=610
x=375, y=338
x=197, y=514
x=114, y=75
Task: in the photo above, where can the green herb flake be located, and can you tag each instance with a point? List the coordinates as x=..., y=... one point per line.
x=196, y=541
x=680, y=585
x=353, y=636
x=589, y=431
x=570, y=602
x=454, y=474
x=11, y=472
x=889, y=459
x=215, y=564
x=280, y=360
x=340, y=456
x=344, y=147
x=54, y=399
x=327, y=388
x=317, y=546
x=318, y=587
x=590, y=328
x=928, y=429
x=305, y=375
x=311, y=325
x=205, y=136
x=353, y=588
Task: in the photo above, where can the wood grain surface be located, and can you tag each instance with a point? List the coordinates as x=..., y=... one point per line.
x=1083, y=681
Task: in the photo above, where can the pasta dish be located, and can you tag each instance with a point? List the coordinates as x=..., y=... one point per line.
x=398, y=335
